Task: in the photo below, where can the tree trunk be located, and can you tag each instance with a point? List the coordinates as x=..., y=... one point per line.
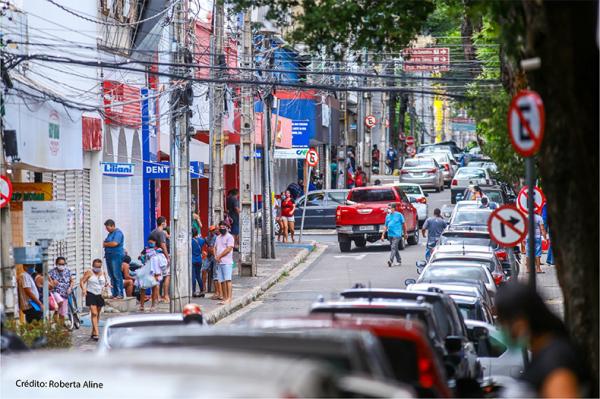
x=563, y=35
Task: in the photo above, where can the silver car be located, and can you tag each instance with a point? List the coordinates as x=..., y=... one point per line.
x=446, y=161
x=466, y=176
x=415, y=191
x=425, y=172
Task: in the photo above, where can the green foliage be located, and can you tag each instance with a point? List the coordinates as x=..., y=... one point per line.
x=58, y=336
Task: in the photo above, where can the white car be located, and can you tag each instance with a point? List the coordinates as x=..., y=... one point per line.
x=415, y=191
x=452, y=270
x=467, y=176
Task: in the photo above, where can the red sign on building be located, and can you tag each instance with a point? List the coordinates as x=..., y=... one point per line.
x=121, y=104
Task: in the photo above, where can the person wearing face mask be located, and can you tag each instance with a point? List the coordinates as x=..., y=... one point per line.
x=555, y=370
x=395, y=227
x=92, y=284
x=29, y=298
x=224, y=258
x=62, y=282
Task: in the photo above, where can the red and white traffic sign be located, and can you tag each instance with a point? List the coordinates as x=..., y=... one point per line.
x=410, y=140
x=526, y=120
x=6, y=190
x=312, y=158
x=539, y=199
x=401, y=136
x=387, y=122
x=410, y=150
x=507, y=226
x=370, y=121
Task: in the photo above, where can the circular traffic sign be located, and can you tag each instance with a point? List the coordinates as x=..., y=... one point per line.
x=312, y=158
x=410, y=150
x=370, y=121
x=539, y=199
x=387, y=122
x=401, y=136
x=6, y=190
x=507, y=226
x=526, y=120
x=410, y=140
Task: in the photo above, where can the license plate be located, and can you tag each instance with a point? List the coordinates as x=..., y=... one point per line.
x=363, y=228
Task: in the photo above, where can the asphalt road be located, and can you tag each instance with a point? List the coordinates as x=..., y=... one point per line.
x=333, y=271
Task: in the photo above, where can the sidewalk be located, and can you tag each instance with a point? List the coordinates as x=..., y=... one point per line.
x=245, y=290
x=548, y=287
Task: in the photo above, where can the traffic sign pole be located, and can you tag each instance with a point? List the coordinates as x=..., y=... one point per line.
x=305, y=198
x=529, y=176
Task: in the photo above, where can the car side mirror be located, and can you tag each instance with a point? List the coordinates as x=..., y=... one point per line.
x=420, y=265
x=427, y=194
x=409, y=281
x=478, y=333
x=453, y=344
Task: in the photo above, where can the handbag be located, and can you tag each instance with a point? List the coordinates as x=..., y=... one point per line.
x=145, y=277
x=51, y=302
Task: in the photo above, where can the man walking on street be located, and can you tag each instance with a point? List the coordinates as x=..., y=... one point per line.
x=395, y=227
x=434, y=226
x=224, y=257
x=113, y=253
x=159, y=236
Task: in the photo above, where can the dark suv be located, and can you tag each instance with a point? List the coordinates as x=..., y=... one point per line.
x=447, y=316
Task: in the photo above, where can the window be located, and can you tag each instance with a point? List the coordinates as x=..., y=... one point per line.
x=416, y=190
x=463, y=272
x=419, y=162
x=494, y=196
x=338, y=197
x=402, y=356
x=471, y=217
x=315, y=199
x=377, y=195
x=471, y=173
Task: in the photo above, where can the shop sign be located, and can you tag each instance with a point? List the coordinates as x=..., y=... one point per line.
x=290, y=153
x=29, y=192
x=117, y=169
x=162, y=170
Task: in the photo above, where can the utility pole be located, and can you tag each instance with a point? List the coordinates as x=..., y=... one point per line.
x=367, y=136
x=7, y=266
x=181, y=99
x=341, y=167
x=248, y=259
x=218, y=97
x=267, y=238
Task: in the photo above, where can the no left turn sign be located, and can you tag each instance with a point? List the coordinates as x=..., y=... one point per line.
x=6, y=191
x=312, y=158
x=526, y=119
x=507, y=226
x=539, y=199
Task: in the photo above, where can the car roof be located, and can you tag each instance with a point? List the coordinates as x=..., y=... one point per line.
x=463, y=299
x=448, y=288
x=458, y=230
x=376, y=303
x=466, y=249
x=143, y=318
x=389, y=293
x=389, y=185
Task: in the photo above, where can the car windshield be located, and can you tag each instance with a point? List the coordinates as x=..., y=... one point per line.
x=464, y=240
x=469, y=312
x=453, y=272
x=411, y=189
x=436, y=148
x=402, y=356
x=494, y=196
x=471, y=172
x=418, y=162
x=116, y=333
x=471, y=217
x=372, y=195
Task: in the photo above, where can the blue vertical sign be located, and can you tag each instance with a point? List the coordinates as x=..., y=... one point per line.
x=149, y=151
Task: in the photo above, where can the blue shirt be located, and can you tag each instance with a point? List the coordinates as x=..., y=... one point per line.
x=197, y=244
x=118, y=237
x=394, y=223
x=434, y=226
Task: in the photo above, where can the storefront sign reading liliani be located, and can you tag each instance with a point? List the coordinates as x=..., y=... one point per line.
x=117, y=169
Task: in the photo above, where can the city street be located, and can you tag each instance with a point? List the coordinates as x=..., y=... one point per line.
x=334, y=271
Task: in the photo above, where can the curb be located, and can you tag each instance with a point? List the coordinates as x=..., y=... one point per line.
x=239, y=303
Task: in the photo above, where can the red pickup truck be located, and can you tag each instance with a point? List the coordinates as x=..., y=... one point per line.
x=363, y=217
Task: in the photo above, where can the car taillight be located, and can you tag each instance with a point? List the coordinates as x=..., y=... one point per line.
x=447, y=167
x=338, y=212
x=502, y=255
x=432, y=170
x=497, y=278
x=454, y=182
x=425, y=373
x=422, y=200
x=404, y=172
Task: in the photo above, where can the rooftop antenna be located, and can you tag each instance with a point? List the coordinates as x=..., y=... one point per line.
x=463, y=247
x=370, y=293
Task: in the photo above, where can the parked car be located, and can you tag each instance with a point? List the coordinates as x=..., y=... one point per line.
x=446, y=313
x=495, y=193
x=416, y=191
x=462, y=270
x=348, y=352
x=404, y=342
x=449, y=146
x=166, y=373
x=363, y=218
x=496, y=355
x=476, y=253
x=461, y=236
x=320, y=208
x=466, y=288
x=473, y=308
x=464, y=177
x=446, y=161
x=489, y=165
x=425, y=172
x=116, y=328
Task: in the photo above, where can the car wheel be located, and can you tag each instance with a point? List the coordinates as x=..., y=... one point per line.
x=345, y=245
x=360, y=242
x=414, y=238
x=437, y=189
